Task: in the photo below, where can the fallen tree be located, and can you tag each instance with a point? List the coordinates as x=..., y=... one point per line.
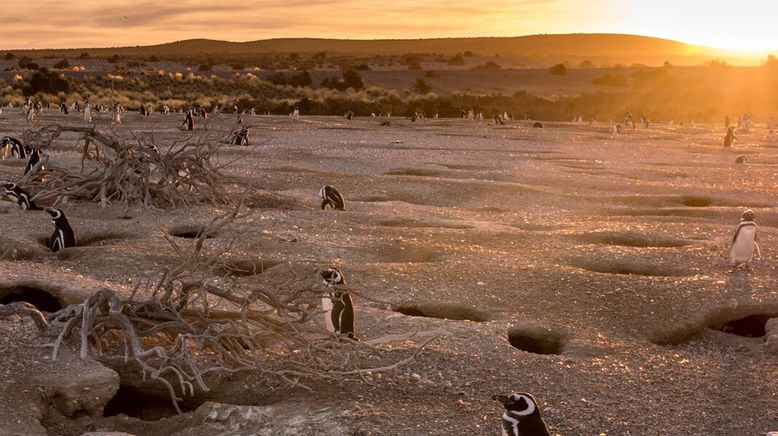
x=129, y=171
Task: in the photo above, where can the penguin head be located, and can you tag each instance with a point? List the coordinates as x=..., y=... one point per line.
x=522, y=404
x=55, y=213
x=332, y=276
x=748, y=215
x=323, y=191
x=9, y=186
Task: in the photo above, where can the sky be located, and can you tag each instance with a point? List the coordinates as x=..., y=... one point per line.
x=743, y=25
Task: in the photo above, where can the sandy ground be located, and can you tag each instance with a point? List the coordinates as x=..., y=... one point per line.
x=610, y=251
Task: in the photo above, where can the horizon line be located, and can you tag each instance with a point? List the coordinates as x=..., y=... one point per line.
x=729, y=52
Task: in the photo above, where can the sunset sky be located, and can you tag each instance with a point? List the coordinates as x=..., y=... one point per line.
x=737, y=25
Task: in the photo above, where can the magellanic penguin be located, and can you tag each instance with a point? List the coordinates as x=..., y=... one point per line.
x=729, y=138
x=63, y=234
x=522, y=416
x=35, y=157
x=22, y=197
x=744, y=241
x=331, y=198
x=337, y=304
x=17, y=149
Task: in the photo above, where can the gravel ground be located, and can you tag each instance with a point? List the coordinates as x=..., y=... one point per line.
x=607, y=253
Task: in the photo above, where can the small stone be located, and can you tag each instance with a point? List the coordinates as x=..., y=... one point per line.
x=481, y=284
x=415, y=376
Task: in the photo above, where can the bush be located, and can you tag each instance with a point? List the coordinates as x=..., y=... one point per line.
x=84, y=55
x=611, y=80
x=301, y=80
x=277, y=79
x=62, y=64
x=558, y=70
x=204, y=67
x=47, y=82
x=352, y=79
x=421, y=87
x=10, y=56
x=456, y=60
x=487, y=66
x=24, y=61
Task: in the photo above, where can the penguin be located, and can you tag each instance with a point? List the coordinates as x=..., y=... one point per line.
x=729, y=138
x=188, y=121
x=744, y=241
x=522, y=416
x=17, y=149
x=537, y=125
x=22, y=197
x=386, y=124
x=337, y=304
x=35, y=157
x=63, y=236
x=331, y=198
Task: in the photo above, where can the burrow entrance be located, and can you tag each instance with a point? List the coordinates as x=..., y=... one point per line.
x=137, y=403
x=442, y=311
x=188, y=232
x=537, y=339
x=41, y=299
x=752, y=326
x=697, y=201
x=744, y=321
x=638, y=267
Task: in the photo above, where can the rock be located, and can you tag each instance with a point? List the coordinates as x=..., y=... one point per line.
x=771, y=342
x=771, y=327
x=276, y=420
x=86, y=391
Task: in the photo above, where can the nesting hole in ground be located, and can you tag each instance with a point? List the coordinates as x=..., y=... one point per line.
x=537, y=339
x=246, y=267
x=41, y=299
x=752, y=326
x=745, y=321
x=631, y=239
x=696, y=201
x=626, y=267
x=145, y=406
x=188, y=232
x=442, y=311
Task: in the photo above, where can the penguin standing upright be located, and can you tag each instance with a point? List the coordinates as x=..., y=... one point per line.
x=522, y=416
x=188, y=121
x=729, y=138
x=22, y=198
x=744, y=241
x=17, y=149
x=337, y=304
x=63, y=236
x=331, y=198
x=35, y=157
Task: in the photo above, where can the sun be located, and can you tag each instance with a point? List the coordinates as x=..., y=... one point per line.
x=742, y=26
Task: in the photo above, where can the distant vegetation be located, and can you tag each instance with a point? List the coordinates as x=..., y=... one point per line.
x=334, y=84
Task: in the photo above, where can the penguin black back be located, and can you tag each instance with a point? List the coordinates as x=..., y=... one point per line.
x=17, y=149
x=331, y=198
x=522, y=415
x=35, y=157
x=22, y=198
x=341, y=310
x=63, y=236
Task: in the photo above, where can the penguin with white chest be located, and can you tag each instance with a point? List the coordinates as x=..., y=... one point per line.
x=20, y=195
x=522, y=416
x=63, y=236
x=17, y=149
x=337, y=304
x=331, y=198
x=744, y=242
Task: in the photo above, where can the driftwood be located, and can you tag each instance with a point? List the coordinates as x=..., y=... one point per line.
x=129, y=171
x=185, y=322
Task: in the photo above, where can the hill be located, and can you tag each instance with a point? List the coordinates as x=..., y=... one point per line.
x=629, y=48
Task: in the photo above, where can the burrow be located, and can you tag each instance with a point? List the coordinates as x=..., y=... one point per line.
x=190, y=231
x=450, y=311
x=746, y=321
x=639, y=267
x=538, y=339
x=632, y=239
x=146, y=404
x=43, y=299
